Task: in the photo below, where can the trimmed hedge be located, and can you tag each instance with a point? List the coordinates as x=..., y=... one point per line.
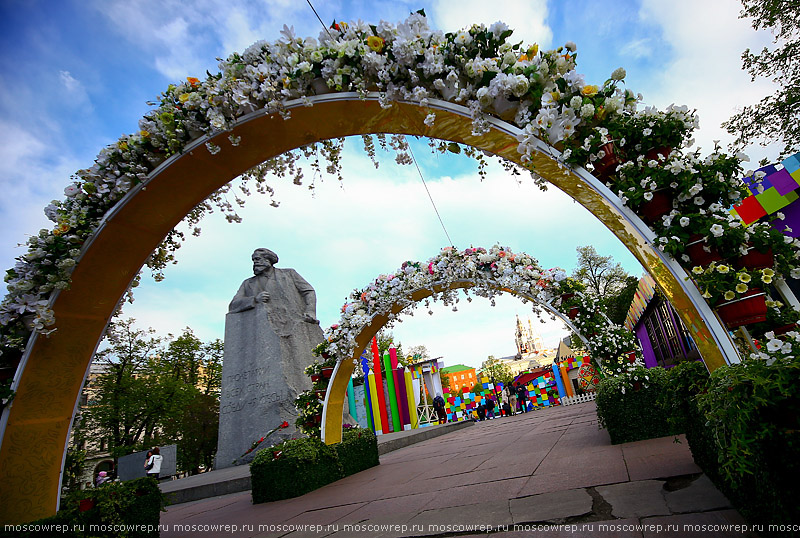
x=297, y=466
x=293, y=468
x=120, y=509
x=629, y=407
x=742, y=424
x=744, y=433
x=358, y=450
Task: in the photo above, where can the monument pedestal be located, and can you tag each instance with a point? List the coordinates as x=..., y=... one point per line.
x=262, y=374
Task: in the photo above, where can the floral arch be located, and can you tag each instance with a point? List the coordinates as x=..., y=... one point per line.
x=472, y=87
x=485, y=273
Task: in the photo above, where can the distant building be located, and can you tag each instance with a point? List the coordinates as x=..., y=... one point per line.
x=664, y=339
x=460, y=376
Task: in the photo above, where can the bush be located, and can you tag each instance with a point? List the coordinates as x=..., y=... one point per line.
x=293, y=468
x=683, y=382
x=120, y=509
x=357, y=451
x=749, y=418
x=629, y=405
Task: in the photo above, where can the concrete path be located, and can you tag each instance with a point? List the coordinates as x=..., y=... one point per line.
x=545, y=473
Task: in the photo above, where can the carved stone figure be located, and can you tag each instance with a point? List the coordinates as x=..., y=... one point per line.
x=270, y=330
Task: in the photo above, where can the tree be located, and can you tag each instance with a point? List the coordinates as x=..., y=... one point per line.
x=149, y=394
x=419, y=353
x=617, y=306
x=496, y=370
x=777, y=117
x=601, y=275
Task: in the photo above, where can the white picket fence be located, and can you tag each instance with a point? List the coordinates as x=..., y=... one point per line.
x=582, y=398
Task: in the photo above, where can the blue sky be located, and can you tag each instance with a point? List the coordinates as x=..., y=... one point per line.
x=74, y=76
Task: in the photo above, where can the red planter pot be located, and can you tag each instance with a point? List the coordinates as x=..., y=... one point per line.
x=573, y=312
x=321, y=394
x=653, y=153
x=315, y=377
x=317, y=419
x=84, y=505
x=698, y=255
x=327, y=373
x=660, y=205
x=607, y=166
x=785, y=329
x=747, y=309
x=567, y=296
x=755, y=259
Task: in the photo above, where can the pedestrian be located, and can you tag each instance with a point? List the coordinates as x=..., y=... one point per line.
x=102, y=478
x=489, y=407
x=512, y=398
x=522, y=397
x=438, y=406
x=481, y=412
x=153, y=464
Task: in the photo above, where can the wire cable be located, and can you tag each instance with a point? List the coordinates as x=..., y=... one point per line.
x=319, y=19
x=429, y=196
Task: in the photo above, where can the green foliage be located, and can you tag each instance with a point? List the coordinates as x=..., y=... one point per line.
x=293, y=468
x=628, y=405
x=745, y=435
x=600, y=274
x=684, y=381
x=496, y=370
x=151, y=394
x=357, y=451
x=120, y=509
x=777, y=117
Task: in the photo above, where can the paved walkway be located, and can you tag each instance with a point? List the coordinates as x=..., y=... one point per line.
x=550, y=472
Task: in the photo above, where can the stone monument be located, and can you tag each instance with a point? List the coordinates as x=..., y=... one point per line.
x=270, y=330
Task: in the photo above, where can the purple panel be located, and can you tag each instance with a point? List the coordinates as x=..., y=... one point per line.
x=647, y=346
x=792, y=220
x=766, y=183
x=783, y=182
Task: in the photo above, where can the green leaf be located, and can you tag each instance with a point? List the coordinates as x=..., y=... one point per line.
x=452, y=147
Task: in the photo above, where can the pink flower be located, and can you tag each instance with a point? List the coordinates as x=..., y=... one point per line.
x=430, y=268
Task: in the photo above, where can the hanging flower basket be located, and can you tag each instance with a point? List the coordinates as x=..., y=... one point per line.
x=784, y=329
x=606, y=166
x=698, y=254
x=654, y=153
x=320, y=87
x=505, y=108
x=327, y=372
x=747, y=309
x=755, y=259
x=661, y=204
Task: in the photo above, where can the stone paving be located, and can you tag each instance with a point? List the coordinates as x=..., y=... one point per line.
x=551, y=472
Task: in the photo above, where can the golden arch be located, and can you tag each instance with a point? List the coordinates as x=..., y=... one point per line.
x=337, y=388
x=36, y=426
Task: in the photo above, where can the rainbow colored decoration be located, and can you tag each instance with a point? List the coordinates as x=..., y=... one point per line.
x=459, y=406
x=588, y=378
x=542, y=391
x=775, y=191
x=644, y=294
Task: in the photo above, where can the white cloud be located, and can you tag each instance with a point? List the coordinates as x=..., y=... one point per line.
x=347, y=235
x=527, y=19
x=638, y=48
x=707, y=39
